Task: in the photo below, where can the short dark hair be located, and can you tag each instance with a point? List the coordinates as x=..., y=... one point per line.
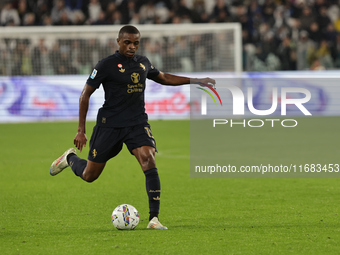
x=129, y=30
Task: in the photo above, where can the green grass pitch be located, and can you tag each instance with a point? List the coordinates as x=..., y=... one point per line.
x=41, y=214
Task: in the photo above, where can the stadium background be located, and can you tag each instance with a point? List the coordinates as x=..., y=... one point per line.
x=41, y=79
x=200, y=37
x=276, y=35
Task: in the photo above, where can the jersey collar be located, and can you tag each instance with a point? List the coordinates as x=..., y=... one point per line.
x=122, y=57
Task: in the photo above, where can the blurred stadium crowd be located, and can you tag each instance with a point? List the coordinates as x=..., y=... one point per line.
x=276, y=34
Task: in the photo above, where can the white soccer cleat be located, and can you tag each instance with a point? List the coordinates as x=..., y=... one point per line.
x=155, y=224
x=60, y=163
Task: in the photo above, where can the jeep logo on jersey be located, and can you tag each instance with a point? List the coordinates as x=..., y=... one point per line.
x=135, y=77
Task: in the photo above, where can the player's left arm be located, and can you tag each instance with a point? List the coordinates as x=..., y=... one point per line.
x=175, y=80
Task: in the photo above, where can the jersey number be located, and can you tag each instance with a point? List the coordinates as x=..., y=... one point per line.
x=148, y=131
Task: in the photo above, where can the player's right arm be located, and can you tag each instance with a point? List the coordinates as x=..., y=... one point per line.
x=80, y=138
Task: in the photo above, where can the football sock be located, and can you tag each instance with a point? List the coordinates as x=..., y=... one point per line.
x=69, y=156
x=153, y=189
x=77, y=164
x=153, y=214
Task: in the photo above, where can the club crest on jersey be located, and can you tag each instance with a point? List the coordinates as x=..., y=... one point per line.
x=135, y=77
x=94, y=73
x=121, y=68
x=142, y=66
x=94, y=153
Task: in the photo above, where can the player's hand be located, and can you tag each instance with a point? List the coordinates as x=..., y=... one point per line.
x=80, y=140
x=206, y=81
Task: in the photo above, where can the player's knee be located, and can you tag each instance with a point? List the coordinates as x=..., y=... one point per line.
x=148, y=161
x=89, y=177
x=92, y=172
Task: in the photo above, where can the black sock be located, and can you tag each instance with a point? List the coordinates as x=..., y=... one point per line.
x=153, y=189
x=77, y=164
x=68, y=157
x=153, y=214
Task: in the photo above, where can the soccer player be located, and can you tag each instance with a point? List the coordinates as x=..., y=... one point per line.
x=122, y=118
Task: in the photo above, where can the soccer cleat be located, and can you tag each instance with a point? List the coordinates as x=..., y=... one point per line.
x=155, y=224
x=60, y=163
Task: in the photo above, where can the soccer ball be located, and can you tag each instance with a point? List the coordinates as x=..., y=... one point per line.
x=125, y=217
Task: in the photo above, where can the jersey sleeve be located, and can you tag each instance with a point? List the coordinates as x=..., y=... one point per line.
x=152, y=71
x=97, y=76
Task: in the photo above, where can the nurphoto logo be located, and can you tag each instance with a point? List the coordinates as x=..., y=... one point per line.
x=239, y=100
x=204, y=98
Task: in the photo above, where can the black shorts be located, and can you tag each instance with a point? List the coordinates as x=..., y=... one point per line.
x=107, y=142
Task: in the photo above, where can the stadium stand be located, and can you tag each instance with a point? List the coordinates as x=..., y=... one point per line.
x=276, y=35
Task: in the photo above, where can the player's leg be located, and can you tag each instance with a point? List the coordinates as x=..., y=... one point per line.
x=87, y=170
x=142, y=145
x=104, y=144
x=146, y=158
